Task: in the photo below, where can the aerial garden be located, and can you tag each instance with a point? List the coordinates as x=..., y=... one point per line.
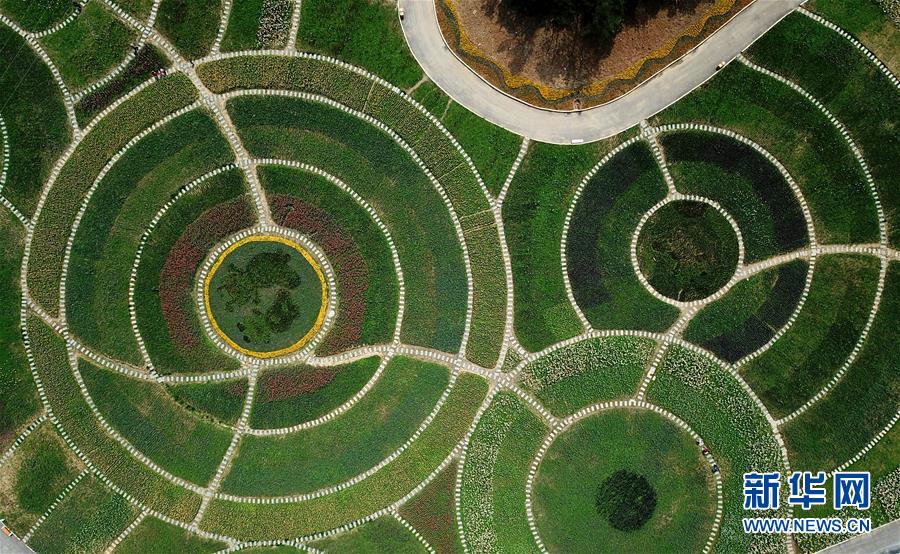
x=266, y=288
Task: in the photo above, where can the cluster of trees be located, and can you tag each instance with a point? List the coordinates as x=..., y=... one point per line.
x=591, y=19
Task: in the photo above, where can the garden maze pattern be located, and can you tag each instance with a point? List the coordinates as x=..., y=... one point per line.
x=483, y=300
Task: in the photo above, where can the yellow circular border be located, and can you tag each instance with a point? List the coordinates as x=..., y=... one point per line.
x=319, y=319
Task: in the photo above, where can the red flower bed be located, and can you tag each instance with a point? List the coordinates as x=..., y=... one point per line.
x=346, y=259
x=176, y=281
x=288, y=383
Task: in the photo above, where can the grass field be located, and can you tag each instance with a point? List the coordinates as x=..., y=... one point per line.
x=588, y=372
x=294, y=395
x=749, y=314
x=824, y=334
x=568, y=478
x=35, y=117
x=310, y=459
x=492, y=497
x=606, y=216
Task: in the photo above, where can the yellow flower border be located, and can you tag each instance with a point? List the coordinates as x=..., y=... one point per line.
x=320, y=319
x=552, y=94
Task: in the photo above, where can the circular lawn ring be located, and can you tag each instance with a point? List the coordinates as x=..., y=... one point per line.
x=265, y=296
x=624, y=481
x=687, y=250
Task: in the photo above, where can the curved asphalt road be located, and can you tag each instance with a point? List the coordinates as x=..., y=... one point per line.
x=420, y=25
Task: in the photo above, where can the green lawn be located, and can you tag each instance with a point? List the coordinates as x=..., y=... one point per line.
x=687, y=250
x=355, y=247
x=193, y=224
x=741, y=180
x=78, y=174
x=32, y=107
x=492, y=497
x=712, y=402
x=603, y=279
x=89, y=47
x=644, y=443
x=36, y=16
x=292, y=395
x=384, y=535
x=825, y=332
x=158, y=537
x=588, y=372
x=381, y=172
x=147, y=417
x=372, y=429
x=87, y=520
x=852, y=87
x=533, y=215
x=749, y=314
x=13, y=363
x=121, y=208
x=362, y=32
x=794, y=131
x=864, y=400
x=392, y=482
x=191, y=25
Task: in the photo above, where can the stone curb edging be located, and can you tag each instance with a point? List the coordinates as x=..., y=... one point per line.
x=56, y=502
x=596, y=408
x=35, y=423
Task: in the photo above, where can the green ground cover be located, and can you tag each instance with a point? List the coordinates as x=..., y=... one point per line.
x=864, y=400
x=222, y=401
x=492, y=498
x=293, y=395
x=158, y=537
x=569, y=509
x=392, y=482
x=383, y=535
x=137, y=8
x=266, y=296
x=355, y=247
x=533, y=215
x=124, y=203
x=191, y=25
x=38, y=471
x=794, y=131
x=432, y=513
x=432, y=98
x=36, y=17
x=107, y=455
x=90, y=46
x=373, y=165
x=587, y=372
x=606, y=216
x=745, y=184
x=13, y=364
x=189, y=223
x=87, y=520
x=823, y=335
x=147, y=417
x=257, y=24
x=749, y=314
x=493, y=149
x=146, y=61
x=372, y=429
x=435, y=149
x=32, y=107
x=712, y=402
x=687, y=250
x=362, y=32
x=82, y=167
x=860, y=96
x=868, y=22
